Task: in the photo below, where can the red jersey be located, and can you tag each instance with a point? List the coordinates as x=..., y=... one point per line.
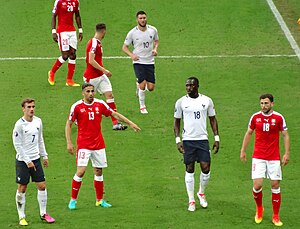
x=93, y=46
x=88, y=117
x=65, y=10
x=267, y=129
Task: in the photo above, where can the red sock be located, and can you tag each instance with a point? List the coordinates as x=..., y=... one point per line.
x=112, y=106
x=56, y=66
x=258, y=198
x=276, y=201
x=75, y=189
x=71, y=69
x=98, y=185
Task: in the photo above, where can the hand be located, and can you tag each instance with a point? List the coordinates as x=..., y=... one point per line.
x=216, y=147
x=54, y=36
x=154, y=52
x=30, y=165
x=180, y=147
x=70, y=148
x=107, y=73
x=243, y=156
x=285, y=159
x=135, y=127
x=134, y=57
x=80, y=36
x=45, y=163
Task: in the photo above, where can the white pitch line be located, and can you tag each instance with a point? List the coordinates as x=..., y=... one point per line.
x=284, y=28
x=159, y=57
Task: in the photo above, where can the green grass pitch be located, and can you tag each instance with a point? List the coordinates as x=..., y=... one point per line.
x=145, y=178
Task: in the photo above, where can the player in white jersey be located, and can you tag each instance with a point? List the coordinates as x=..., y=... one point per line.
x=29, y=145
x=194, y=108
x=145, y=41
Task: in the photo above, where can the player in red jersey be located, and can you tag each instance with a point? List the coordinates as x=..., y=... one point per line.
x=97, y=75
x=267, y=125
x=65, y=36
x=87, y=113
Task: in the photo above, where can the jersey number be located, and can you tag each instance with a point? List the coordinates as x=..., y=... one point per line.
x=65, y=42
x=81, y=155
x=70, y=8
x=146, y=44
x=91, y=116
x=197, y=115
x=266, y=127
x=33, y=137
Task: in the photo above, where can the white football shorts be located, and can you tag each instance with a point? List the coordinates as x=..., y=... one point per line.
x=67, y=39
x=101, y=84
x=98, y=158
x=266, y=169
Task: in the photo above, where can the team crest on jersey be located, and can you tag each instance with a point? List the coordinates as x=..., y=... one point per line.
x=82, y=110
x=97, y=110
x=258, y=120
x=203, y=105
x=273, y=121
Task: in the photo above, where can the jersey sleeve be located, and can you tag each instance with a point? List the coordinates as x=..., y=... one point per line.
x=94, y=46
x=107, y=111
x=41, y=143
x=211, y=108
x=55, y=7
x=252, y=123
x=18, y=142
x=282, y=124
x=73, y=114
x=128, y=39
x=156, y=38
x=178, y=110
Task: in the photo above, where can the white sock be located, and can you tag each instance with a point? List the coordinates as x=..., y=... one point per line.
x=142, y=98
x=42, y=199
x=20, y=202
x=189, y=183
x=204, y=178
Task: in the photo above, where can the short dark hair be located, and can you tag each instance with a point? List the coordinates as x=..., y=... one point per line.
x=195, y=79
x=267, y=96
x=100, y=26
x=86, y=85
x=27, y=100
x=140, y=12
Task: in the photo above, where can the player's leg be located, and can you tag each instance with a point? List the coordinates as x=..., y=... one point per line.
x=99, y=161
x=39, y=178
x=22, y=179
x=258, y=174
x=189, y=161
x=71, y=68
x=275, y=175
x=82, y=159
x=63, y=44
x=150, y=77
x=105, y=88
x=140, y=76
x=72, y=60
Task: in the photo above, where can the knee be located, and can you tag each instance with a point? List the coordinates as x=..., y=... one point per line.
x=72, y=56
x=98, y=171
x=41, y=186
x=65, y=57
x=190, y=168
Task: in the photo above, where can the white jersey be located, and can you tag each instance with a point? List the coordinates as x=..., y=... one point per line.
x=142, y=42
x=28, y=140
x=194, y=112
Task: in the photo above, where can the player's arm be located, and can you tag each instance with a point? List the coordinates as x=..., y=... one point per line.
x=156, y=44
x=214, y=126
x=94, y=63
x=177, y=134
x=53, y=26
x=42, y=148
x=78, y=22
x=245, y=143
x=122, y=118
x=286, y=141
x=68, y=133
x=129, y=53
